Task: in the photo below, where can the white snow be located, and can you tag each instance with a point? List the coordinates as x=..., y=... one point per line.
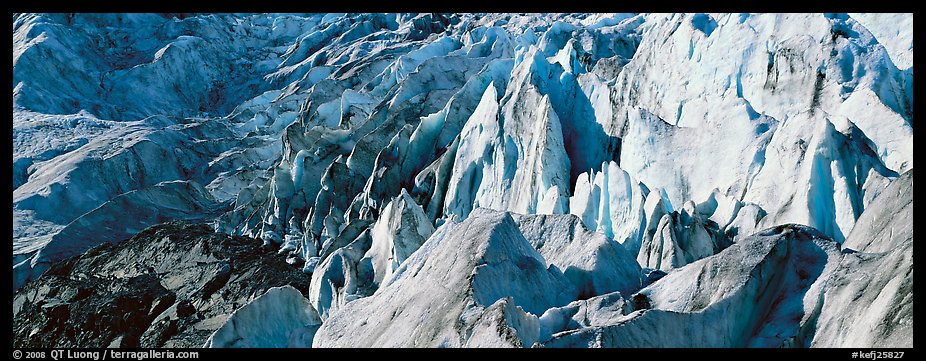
x=893, y=32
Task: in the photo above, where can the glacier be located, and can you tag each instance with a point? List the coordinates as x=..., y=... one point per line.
x=281, y=317
x=491, y=180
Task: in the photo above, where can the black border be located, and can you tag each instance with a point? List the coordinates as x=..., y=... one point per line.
x=315, y=6
x=785, y=354
x=465, y=6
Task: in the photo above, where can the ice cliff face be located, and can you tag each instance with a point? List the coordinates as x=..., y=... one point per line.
x=435, y=172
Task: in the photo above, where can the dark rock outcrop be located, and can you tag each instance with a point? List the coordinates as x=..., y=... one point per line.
x=171, y=285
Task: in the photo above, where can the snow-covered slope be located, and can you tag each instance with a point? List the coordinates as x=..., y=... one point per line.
x=608, y=149
x=891, y=30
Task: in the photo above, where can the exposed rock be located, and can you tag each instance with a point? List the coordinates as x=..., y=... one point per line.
x=171, y=285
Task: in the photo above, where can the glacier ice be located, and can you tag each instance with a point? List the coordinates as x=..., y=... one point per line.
x=397, y=234
x=891, y=31
x=476, y=264
x=511, y=152
x=281, y=317
x=882, y=260
x=593, y=263
x=681, y=237
x=611, y=202
x=342, y=274
x=829, y=173
x=595, y=311
x=766, y=296
x=596, y=154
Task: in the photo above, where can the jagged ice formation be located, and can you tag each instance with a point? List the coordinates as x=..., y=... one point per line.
x=432, y=171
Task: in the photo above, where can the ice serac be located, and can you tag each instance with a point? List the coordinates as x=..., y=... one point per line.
x=281, y=317
x=887, y=223
x=340, y=276
x=594, y=263
x=682, y=237
x=763, y=291
x=611, y=201
x=737, y=146
x=106, y=104
x=400, y=230
x=511, y=154
x=503, y=325
x=130, y=66
x=374, y=118
x=448, y=288
x=126, y=178
x=853, y=315
x=712, y=83
x=829, y=169
x=745, y=223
